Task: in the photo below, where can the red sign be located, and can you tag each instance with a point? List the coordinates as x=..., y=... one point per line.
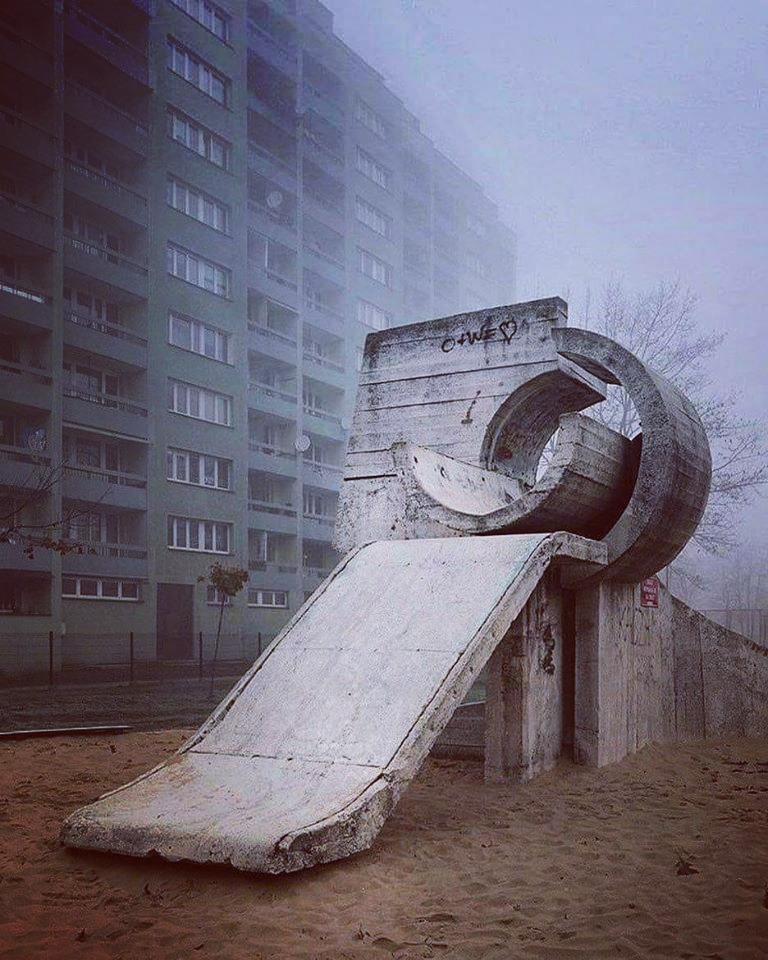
x=649, y=592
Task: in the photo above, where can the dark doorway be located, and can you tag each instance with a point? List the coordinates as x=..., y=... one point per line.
x=175, y=621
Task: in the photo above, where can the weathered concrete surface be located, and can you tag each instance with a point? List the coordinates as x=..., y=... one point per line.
x=452, y=417
x=306, y=758
x=646, y=674
x=446, y=385
x=640, y=675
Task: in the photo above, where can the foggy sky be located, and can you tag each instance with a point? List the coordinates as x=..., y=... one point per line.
x=618, y=139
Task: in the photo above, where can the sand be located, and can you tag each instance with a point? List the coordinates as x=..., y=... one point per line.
x=663, y=855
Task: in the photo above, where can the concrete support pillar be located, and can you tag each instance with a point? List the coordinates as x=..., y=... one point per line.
x=524, y=691
x=605, y=709
x=506, y=709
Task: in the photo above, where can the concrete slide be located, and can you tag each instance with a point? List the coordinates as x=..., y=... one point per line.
x=308, y=755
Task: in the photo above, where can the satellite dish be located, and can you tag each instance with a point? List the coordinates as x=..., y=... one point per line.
x=346, y=423
x=274, y=199
x=302, y=443
x=37, y=440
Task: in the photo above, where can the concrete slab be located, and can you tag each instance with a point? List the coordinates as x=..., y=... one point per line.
x=305, y=759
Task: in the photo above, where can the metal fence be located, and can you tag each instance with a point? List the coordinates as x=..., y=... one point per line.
x=70, y=658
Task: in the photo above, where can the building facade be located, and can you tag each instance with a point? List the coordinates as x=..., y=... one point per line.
x=205, y=209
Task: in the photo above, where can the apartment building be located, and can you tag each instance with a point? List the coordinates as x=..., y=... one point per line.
x=206, y=206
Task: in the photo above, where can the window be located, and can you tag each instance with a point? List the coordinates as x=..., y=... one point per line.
x=198, y=337
x=194, y=203
x=198, y=138
x=369, y=118
x=99, y=588
x=88, y=307
x=214, y=597
x=82, y=380
x=317, y=505
x=91, y=158
x=197, y=402
x=208, y=14
x=199, y=73
x=93, y=233
x=372, y=169
x=373, y=267
x=373, y=217
x=203, y=536
x=202, y=273
x=267, y=598
x=373, y=316
x=201, y=469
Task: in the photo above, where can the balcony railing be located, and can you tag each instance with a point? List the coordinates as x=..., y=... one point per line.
x=105, y=253
x=29, y=371
x=271, y=506
x=17, y=203
x=80, y=90
x=270, y=333
x=314, y=304
x=119, y=477
x=22, y=454
x=272, y=565
x=322, y=518
x=323, y=361
x=111, y=329
x=24, y=292
x=271, y=451
x=270, y=391
x=321, y=469
x=313, y=571
x=121, y=551
x=98, y=26
x=324, y=254
x=105, y=181
x=284, y=49
x=322, y=414
x=105, y=400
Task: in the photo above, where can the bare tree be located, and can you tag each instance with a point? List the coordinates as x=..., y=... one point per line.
x=26, y=517
x=659, y=326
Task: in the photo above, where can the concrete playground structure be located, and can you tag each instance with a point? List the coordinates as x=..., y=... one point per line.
x=460, y=557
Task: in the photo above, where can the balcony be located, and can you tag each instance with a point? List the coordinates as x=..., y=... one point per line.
x=319, y=526
x=106, y=339
x=22, y=219
x=325, y=475
x=323, y=315
x=272, y=342
x=18, y=463
x=114, y=488
x=105, y=191
x=106, y=559
x=25, y=384
x=272, y=515
x=324, y=423
x=25, y=56
x=315, y=574
x=105, y=264
x=271, y=459
x=325, y=370
x=26, y=138
x=277, y=51
x=99, y=114
x=97, y=37
x=327, y=106
x=102, y=411
x=266, y=398
x=13, y=557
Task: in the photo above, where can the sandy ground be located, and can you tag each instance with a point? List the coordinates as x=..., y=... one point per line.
x=662, y=856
